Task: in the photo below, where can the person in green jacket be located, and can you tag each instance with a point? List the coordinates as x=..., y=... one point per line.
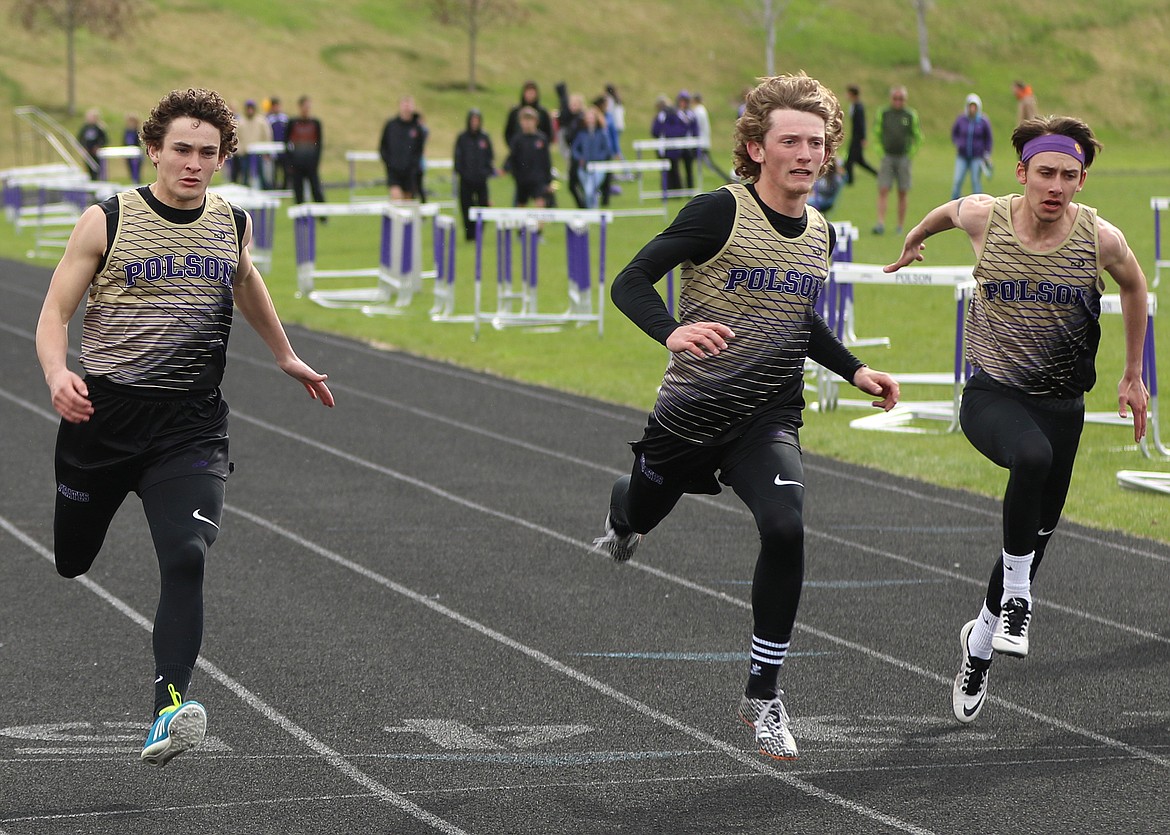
x=898, y=132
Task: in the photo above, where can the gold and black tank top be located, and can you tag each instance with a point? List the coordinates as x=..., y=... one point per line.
x=160, y=309
x=764, y=287
x=1033, y=321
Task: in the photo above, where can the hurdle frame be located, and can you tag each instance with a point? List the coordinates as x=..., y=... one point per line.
x=660, y=146
x=527, y=223
x=1159, y=205
x=898, y=419
x=305, y=219
x=400, y=266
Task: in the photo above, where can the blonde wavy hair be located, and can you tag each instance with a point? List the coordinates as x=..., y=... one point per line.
x=785, y=92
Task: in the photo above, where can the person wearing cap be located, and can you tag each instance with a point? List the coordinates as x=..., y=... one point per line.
x=1031, y=335
x=253, y=128
x=971, y=136
x=473, y=162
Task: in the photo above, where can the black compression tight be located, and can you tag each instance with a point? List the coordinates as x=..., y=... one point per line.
x=1038, y=447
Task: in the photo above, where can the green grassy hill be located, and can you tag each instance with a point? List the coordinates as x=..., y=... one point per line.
x=356, y=57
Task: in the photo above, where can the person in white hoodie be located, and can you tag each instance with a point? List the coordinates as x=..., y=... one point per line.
x=971, y=136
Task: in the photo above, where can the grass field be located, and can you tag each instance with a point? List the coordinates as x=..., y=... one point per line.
x=357, y=59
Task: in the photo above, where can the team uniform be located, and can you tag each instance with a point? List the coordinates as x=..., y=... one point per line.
x=1032, y=334
x=154, y=347
x=737, y=413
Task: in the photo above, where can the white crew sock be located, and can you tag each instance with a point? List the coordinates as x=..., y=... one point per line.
x=1015, y=577
x=979, y=641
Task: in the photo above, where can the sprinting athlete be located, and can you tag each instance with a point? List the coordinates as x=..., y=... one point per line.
x=1032, y=335
x=754, y=259
x=163, y=266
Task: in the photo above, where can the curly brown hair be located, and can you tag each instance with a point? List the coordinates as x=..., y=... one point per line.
x=202, y=105
x=1069, y=126
x=785, y=92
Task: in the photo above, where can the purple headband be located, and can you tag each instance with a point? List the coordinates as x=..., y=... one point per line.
x=1053, y=142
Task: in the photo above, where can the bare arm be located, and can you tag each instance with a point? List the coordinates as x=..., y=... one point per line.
x=1118, y=260
x=71, y=280
x=253, y=300
x=967, y=213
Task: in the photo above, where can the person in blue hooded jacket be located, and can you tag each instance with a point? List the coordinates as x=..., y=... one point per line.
x=971, y=136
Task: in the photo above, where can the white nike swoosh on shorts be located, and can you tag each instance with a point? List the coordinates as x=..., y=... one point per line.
x=779, y=482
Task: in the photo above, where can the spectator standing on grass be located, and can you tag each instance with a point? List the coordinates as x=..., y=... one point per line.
x=592, y=144
x=162, y=267
x=1025, y=101
x=253, y=128
x=971, y=136
x=530, y=162
x=855, y=156
x=93, y=138
x=1031, y=336
x=401, y=150
x=131, y=139
x=278, y=124
x=754, y=260
x=474, y=164
x=529, y=97
x=306, y=140
x=703, y=132
x=899, y=134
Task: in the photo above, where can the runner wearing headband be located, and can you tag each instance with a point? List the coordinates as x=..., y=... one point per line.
x=1031, y=335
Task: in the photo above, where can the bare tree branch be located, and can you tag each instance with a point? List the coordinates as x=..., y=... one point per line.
x=472, y=16
x=108, y=18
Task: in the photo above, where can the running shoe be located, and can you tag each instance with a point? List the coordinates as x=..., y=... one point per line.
x=1011, y=633
x=178, y=728
x=771, y=722
x=619, y=546
x=971, y=683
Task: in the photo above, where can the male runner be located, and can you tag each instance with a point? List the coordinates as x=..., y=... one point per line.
x=754, y=259
x=1032, y=336
x=163, y=266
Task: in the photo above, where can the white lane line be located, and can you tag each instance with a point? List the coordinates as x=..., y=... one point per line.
x=332, y=757
x=751, y=760
x=719, y=595
x=434, y=417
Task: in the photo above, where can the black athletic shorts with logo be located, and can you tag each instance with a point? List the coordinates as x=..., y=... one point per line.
x=136, y=439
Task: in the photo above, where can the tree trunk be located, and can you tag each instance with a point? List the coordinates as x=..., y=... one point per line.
x=70, y=66
x=473, y=38
x=923, y=49
x=769, y=38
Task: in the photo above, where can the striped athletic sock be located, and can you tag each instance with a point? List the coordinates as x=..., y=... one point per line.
x=767, y=658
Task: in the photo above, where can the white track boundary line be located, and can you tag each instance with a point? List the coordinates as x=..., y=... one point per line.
x=707, y=500
x=706, y=590
x=710, y=592
x=332, y=757
x=751, y=760
x=560, y=456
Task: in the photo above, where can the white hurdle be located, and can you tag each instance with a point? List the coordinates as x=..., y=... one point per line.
x=516, y=302
x=401, y=274
x=660, y=147
x=1159, y=205
x=959, y=280
x=1111, y=305
x=637, y=167
x=263, y=208
x=355, y=158
x=305, y=218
